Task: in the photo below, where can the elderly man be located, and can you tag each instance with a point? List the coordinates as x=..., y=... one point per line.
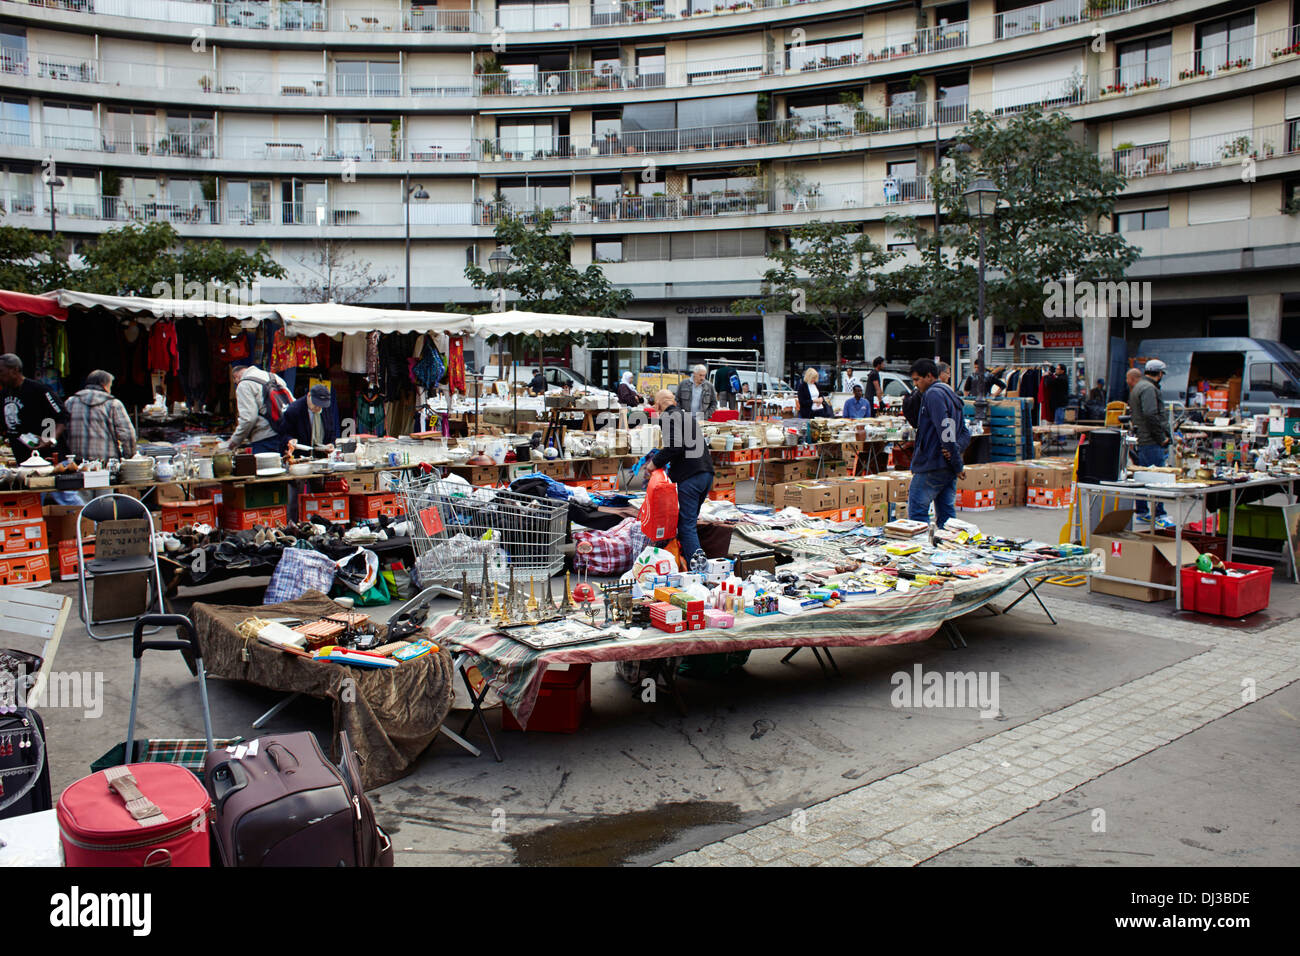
x=1151, y=425
x=98, y=426
x=254, y=425
x=307, y=421
x=685, y=455
x=1132, y=378
x=697, y=394
x=30, y=409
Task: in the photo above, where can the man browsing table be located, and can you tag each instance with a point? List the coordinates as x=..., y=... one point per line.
x=689, y=465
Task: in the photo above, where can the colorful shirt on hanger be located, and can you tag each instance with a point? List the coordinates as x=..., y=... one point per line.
x=296, y=352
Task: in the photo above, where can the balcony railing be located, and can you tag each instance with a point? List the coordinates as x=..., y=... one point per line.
x=1257, y=144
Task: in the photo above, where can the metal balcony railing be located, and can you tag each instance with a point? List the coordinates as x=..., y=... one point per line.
x=1256, y=143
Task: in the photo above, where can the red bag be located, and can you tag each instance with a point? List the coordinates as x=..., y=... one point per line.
x=659, y=510
x=143, y=814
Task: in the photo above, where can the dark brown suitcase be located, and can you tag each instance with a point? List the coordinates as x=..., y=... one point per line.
x=285, y=804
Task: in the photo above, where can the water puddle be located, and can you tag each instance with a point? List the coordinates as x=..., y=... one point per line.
x=613, y=839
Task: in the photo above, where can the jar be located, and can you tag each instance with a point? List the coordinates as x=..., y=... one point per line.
x=223, y=466
x=163, y=470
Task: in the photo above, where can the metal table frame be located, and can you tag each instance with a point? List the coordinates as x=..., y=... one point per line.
x=1184, y=498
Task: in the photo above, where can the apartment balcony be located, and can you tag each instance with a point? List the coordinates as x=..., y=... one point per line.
x=1257, y=144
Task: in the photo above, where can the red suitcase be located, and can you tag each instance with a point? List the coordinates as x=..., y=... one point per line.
x=143, y=814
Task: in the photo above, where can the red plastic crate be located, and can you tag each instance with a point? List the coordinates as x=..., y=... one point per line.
x=326, y=507
x=373, y=506
x=562, y=704
x=1223, y=596
x=177, y=515
x=21, y=537
x=24, y=507
x=242, y=519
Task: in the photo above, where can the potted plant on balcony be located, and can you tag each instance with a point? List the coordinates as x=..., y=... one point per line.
x=208, y=185
x=395, y=139
x=1191, y=73
x=1286, y=52
x=490, y=75
x=205, y=83
x=1232, y=152
x=110, y=188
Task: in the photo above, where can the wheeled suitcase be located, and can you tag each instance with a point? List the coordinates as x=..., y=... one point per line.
x=143, y=814
x=280, y=802
x=24, y=764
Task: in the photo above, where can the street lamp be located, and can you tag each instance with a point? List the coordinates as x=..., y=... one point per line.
x=54, y=183
x=408, y=193
x=981, y=203
x=500, y=262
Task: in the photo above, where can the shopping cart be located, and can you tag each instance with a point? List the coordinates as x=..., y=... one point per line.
x=455, y=528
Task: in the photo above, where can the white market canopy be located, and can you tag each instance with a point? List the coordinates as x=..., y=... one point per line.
x=149, y=310
x=329, y=318
x=516, y=322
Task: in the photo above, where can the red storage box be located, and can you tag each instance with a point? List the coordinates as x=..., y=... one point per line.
x=24, y=507
x=242, y=519
x=329, y=508
x=361, y=507
x=68, y=557
x=20, y=537
x=562, y=704
x=1226, y=596
x=25, y=570
x=177, y=515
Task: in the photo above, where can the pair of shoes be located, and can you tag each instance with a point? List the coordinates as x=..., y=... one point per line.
x=1141, y=519
x=1165, y=524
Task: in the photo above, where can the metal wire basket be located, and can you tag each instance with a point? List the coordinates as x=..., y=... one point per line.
x=455, y=526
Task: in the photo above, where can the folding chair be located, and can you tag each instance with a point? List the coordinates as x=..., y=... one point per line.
x=117, y=508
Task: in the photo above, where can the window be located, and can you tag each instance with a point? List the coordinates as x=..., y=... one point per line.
x=15, y=123
x=826, y=111
x=1144, y=62
x=299, y=199
x=532, y=137
x=68, y=126
x=189, y=134
x=1225, y=43
x=77, y=197
x=651, y=67
x=719, y=244
x=705, y=184
x=606, y=63
x=129, y=131
x=525, y=196
x=953, y=96
x=607, y=250
x=718, y=121
x=820, y=56
x=367, y=78
x=524, y=15
x=1274, y=379
x=17, y=195
x=902, y=184
x=367, y=139
x=13, y=50
x=906, y=106
x=1141, y=219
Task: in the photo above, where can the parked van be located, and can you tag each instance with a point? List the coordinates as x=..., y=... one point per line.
x=1269, y=372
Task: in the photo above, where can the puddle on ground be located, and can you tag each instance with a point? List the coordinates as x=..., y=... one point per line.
x=613, y=839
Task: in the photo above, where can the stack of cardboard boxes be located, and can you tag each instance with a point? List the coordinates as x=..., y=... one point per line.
x=1010, y=483
x=975, y=489
x=866, y=499
x=1050, y=483
x=773, y=474
x=24, y=550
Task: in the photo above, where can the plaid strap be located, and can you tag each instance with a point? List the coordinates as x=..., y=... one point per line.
x=143, y=810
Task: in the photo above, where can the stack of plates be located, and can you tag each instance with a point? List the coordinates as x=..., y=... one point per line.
x=137, y=470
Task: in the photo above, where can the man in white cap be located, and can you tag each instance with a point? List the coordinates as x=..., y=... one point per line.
x=1151, y=426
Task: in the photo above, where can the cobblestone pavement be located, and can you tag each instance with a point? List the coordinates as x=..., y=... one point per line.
x=912, y=816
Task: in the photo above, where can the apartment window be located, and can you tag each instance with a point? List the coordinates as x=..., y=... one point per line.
x=607, y=250
x=129, y=131
x=529, y=194
x=524, y=15
x=13, y=50
x=187, y=201
x=718, y=244
x=1224, y=42
x=648, y=248
x=69, y=126
x=1145, y=62
x=367, y=78
x=900, y=246
x=655, y=185
x=1141, y=219
x=189, y=134
x=17, y=192
x=823, y=55
x=299, y=199
x=651, y=67
x=953, y=96
x=906, y=106
x=606, y=63
x=15, y=123
x=902, y=183
x=367, y=139
x=532, y=137
x=824, y=112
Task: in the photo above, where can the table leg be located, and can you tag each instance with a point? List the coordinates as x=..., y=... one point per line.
x=1178, y=565
x=284, y=702
x=476, y=702
x=1232, y=517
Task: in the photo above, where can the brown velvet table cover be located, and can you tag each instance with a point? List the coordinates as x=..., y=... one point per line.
x=391, y=715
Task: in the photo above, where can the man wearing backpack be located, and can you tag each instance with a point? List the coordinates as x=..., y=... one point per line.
x=941, y=437
x=255, y=390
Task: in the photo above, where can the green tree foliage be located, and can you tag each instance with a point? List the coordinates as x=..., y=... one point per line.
x=831, y=274
x=1054, y=192
x=131, y=260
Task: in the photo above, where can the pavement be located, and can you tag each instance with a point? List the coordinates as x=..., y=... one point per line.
x=1180, y=728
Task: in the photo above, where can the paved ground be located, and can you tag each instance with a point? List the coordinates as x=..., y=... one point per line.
x=1102, y=710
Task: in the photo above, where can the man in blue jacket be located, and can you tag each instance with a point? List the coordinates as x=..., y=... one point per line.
x=941, y=437
x=308, y=422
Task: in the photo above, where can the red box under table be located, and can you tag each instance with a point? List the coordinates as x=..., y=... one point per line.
x=1227, y=596
x=562, y=704
x=372, y=506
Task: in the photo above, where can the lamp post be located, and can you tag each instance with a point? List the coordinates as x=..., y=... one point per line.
x=54, y=182
x=981, y=203
x=500, y=262
x=409, y=191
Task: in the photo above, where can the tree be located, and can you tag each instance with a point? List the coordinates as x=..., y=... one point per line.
x=332, y=274
x=132, y=260
x=1054, y=193
x=543, y=275
x=830, y=274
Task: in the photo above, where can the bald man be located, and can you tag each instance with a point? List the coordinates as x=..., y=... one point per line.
x=685, y=455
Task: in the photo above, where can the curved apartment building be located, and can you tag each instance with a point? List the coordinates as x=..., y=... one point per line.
x=676, y=139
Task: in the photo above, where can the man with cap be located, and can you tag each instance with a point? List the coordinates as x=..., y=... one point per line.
x=1151, y=426
x=308, y=422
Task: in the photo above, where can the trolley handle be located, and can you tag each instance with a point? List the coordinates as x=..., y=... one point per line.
x=190, y=642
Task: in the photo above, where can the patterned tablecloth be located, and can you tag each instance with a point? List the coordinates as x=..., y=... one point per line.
x=900, y=617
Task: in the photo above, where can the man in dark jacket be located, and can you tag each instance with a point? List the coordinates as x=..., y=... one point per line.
x=1151, y=425
x=685, y=453
x=307, y=421
x=941, y=437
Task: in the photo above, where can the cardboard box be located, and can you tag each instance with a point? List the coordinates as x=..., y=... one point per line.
x=976, y=499
x=373, y=506
x=168, y=494
x=176, y=515
x=1004, y=497
x=875, y=491
x=877, y=515
x=812, y=496
x=976, y=478
x=68, y=558
x=242, y=497
x=22, y=537
x=24, y=507
x=235, y=519
x=359, y=484
x=898, y=482
x=850, y=494
x=1142, y=556
x=326, y=508
x=604, y=466
x=1041, y=474
x=1055, y=498
x=25, y=570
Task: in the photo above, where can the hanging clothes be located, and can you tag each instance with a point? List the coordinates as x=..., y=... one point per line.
x=164, y=356
x=196, y=361
x=296, y=352
x=456, y=364
x=354, y=354
x=372, y=355
x=370, y=412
